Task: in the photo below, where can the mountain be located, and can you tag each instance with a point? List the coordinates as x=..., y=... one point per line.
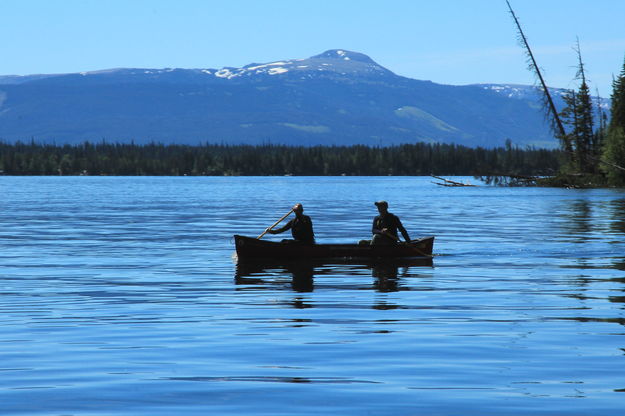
x=334, y=98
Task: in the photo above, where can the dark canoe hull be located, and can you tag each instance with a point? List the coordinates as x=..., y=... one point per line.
x=253, y=249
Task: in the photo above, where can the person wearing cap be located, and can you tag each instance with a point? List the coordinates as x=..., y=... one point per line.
x=301, y=227
x=385, y=227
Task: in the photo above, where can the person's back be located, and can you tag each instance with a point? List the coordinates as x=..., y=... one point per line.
x=302, y=229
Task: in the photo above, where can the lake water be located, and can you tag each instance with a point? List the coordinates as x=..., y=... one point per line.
x=120, y=296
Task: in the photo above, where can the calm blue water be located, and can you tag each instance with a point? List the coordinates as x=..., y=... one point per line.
x=120, y=296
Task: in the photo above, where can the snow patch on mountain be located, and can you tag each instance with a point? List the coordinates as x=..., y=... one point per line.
x=254, y=68
x=275, y=71
x=337, y=60
x=224, y=73
x=530, y=92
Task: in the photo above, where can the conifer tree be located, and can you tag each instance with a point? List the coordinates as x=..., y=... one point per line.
x=580, y=143
x=614, y=148
x=586, y=135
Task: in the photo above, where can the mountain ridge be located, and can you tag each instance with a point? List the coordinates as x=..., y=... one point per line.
x=338, y=97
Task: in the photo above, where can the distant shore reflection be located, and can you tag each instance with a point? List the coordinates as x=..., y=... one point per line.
x=617, y=224
x=583, y=217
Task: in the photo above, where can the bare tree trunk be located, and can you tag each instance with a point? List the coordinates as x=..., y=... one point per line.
x=559, y=128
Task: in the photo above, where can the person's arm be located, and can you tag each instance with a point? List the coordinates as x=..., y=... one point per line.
x=287, y=226
x=403, y=231
x=374, y=229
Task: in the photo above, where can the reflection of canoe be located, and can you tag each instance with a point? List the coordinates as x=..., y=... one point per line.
x=308, y=275
x=320, y=267
x=252, y=248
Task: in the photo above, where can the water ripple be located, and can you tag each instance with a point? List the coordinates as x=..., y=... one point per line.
x=116, y=290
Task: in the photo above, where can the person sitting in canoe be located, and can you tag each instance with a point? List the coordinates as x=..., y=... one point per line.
x=385, y=227
x=301, y=227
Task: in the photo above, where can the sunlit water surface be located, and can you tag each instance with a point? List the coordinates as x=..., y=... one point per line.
x=120, y=296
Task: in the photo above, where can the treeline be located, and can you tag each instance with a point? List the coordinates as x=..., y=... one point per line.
x=158, y=159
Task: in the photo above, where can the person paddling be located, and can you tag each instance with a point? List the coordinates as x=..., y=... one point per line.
x=301, y=227
x=385, y=227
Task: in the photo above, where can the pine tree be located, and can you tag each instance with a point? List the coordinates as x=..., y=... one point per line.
x=584, y=146
x=614, y=148
x=579, y=143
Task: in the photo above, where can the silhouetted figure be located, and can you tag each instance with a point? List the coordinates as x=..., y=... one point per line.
x=301, y=227
x=385, y=227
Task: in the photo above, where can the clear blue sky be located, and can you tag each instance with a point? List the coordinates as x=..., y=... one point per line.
x=446, y=41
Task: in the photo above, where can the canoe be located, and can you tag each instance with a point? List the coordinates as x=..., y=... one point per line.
x=249, y=248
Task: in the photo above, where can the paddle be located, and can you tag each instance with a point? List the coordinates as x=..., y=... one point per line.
x=389, y=235
x=420, y=252
x=274, y=224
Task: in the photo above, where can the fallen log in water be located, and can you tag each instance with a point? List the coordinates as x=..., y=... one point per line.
x=448, y=182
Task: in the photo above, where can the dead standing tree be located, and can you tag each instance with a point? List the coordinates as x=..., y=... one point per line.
x=554, y=118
